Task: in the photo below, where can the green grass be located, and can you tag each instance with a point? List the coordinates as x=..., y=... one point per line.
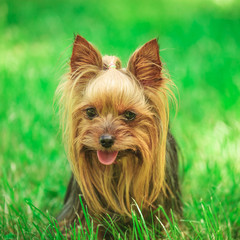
x=199, y=43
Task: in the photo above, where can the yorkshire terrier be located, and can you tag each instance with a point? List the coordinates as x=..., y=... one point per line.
x=116, y=129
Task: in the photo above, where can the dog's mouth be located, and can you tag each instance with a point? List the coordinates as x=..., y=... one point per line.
x=111, y=157
x=107, y=158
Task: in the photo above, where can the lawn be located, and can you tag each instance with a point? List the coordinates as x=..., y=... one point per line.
x=199, y=42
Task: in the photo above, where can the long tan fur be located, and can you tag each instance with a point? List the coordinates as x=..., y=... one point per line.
x=140, y=170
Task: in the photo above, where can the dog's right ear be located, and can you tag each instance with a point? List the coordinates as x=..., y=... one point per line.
x=84, y=55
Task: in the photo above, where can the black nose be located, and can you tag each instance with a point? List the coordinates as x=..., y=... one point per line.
x=106, y=140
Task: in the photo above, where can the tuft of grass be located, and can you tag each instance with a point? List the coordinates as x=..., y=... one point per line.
x=42, y=225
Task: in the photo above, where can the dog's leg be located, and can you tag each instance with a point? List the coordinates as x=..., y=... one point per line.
x=172, y=179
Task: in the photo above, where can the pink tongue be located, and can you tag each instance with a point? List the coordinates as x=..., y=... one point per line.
x=107, y=158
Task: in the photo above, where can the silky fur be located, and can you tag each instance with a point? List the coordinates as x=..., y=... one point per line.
x=146, y=168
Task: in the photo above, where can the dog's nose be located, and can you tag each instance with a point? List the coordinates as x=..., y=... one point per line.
x=106, y=140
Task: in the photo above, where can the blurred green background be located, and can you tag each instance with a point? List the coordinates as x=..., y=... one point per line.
x=199, y=42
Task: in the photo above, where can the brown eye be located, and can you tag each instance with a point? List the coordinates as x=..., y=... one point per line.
x=91, y=113
x=130, y=116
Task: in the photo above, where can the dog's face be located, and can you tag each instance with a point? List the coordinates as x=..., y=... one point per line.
x=115, y=115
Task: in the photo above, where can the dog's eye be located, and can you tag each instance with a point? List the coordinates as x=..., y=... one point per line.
x=91, y=113
x=129, y=115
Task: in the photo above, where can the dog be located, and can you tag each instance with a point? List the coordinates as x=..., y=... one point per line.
x=116, y=130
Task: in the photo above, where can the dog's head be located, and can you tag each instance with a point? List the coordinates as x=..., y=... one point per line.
x=116, y=126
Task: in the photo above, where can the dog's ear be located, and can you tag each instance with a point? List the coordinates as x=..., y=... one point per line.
x=84, y=54
x=146, y=66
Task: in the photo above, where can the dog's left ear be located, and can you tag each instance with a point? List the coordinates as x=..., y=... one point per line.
x=146, y=66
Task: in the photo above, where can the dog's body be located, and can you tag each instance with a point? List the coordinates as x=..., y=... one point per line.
x=116, y=130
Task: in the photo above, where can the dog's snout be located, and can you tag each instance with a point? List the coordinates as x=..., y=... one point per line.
x=106, y=140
